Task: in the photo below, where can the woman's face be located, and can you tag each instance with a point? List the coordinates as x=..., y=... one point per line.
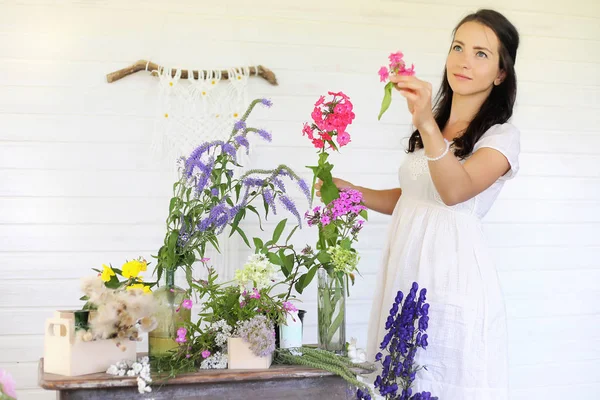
x=472, y=66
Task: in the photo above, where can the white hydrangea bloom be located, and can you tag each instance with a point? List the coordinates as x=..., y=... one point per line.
x=258, y=272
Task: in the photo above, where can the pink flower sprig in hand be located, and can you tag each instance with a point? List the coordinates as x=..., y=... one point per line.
x=397, y=67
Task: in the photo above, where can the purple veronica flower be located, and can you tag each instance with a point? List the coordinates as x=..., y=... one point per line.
x=289, y=205
x=228, y=148
x=279, y=183
x=270, y=200
x=242, y=141
x=304, y=187
x=249, y=181
x=266, y=102
x=265, y=135
x=241, y=124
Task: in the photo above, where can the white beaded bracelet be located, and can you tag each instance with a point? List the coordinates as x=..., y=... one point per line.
x=441, y=155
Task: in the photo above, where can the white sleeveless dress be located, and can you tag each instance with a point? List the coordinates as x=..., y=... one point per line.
x=443, y=249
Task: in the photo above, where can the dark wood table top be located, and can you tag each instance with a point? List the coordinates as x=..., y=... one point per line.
x=103, y=380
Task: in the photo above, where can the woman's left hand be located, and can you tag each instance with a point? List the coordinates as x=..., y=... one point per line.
x=418, y=97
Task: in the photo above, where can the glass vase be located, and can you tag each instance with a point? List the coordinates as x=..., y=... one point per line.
x=331, y=312
x=170, y=316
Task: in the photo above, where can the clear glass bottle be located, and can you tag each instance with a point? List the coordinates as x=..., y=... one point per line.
x=170, y=316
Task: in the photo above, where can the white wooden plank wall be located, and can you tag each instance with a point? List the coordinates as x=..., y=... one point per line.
x=77, y=187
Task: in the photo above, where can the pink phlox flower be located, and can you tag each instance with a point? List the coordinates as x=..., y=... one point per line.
x=396, y=58
x=181, y=335
x=317, y=115
x=288, y=306
x=407, y=71
x=205, y=354
x=340, y=94
x=384, y=74
x=343, y=138
x=255, y=294
x=307, y=130
x=318, y=143
x=187, y=303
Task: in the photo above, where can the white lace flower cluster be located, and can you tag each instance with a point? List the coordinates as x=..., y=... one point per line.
x=140, y=368
x=215, y=361
x=258, y=272
x=223, y=332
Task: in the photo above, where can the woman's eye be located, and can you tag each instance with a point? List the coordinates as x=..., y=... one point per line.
x=456, y=48
x=482, y=54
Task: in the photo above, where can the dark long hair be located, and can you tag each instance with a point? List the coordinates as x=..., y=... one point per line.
x=498, y=107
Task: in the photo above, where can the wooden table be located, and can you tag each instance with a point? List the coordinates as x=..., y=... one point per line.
x=276, y=383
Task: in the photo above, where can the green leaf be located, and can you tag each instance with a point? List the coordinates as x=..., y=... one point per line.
x=188, y=274
x=258, y=243
x=279, y=230
x=299, y=286
x=274, y=258
x=387, y=99
x=113, y=283
x=243, y=235
x=238, y=188
x=291, y=233
x=288, y=263
x=346, y=244
x=363, y=214
x=310, y=275
x=335, y=325
x=236, y=221
x=323, y=158
x=172, y=204
x=255, y=211
x=324, y=257
x=215, y=242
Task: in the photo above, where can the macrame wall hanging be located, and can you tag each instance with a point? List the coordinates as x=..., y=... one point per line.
x=195, y=106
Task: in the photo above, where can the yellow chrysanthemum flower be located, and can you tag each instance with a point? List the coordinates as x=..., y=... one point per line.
x=131, y=269
x=107, y=272
x=145, y=288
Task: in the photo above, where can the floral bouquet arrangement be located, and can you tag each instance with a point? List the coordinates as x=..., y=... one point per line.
x=7, y=386
x=244, y=308
x=338, y=221
x=209, y=197
x=116, y=309
x=406, y=328
x=397, y=66
x=339, y=224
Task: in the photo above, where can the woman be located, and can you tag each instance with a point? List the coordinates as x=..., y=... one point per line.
x=459, y=157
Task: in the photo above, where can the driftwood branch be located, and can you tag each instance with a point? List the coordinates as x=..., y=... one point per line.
x=143, y=65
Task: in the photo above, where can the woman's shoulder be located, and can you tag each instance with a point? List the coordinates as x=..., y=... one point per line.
x=505, y=129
